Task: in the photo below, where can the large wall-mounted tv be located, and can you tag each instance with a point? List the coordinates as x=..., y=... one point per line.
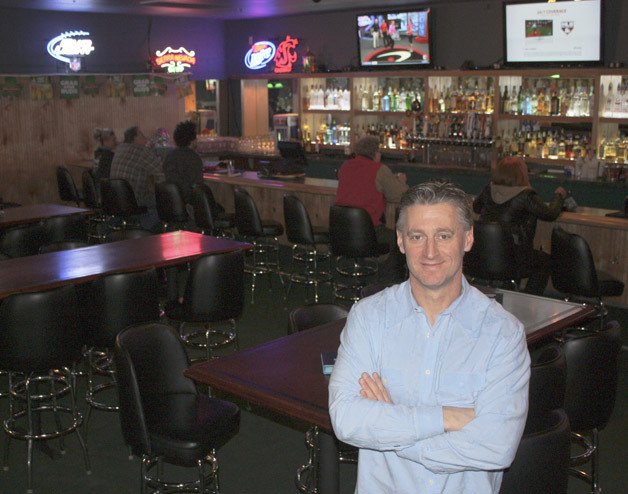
x=397, y=38
x=560, y=33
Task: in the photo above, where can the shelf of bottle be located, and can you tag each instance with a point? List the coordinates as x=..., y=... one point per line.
x=545, y=118
x=464, y=112
x=450, y=141
x=326, y=110
x=618, y=120
x=380, y=113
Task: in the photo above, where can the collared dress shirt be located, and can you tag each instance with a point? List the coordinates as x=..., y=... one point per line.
x=475, y=356
x=137, y=164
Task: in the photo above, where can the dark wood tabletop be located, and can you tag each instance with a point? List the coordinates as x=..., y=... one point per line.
x=285, y=375
x=45, y=271
x=23, y=215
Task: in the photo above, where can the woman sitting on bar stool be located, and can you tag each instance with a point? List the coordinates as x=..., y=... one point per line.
x=511, y=201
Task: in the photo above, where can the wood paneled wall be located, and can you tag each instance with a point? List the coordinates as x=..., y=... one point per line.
x=37, y=136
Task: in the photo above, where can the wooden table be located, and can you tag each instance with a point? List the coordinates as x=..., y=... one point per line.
x=45, y=271
x=23, y=215
x=285, y=375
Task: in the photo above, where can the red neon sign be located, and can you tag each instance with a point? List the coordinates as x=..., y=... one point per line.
x=286, y=55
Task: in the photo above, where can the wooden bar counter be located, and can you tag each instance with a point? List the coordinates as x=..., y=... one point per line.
x=607, y=237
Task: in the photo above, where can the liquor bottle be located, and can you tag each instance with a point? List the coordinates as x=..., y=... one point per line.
x=305, y=100
x=490, y=100
x=516, y=102
x=610, y=100
x=617, y=102
x=505, y=101
x=554, y=103
x=375, y=100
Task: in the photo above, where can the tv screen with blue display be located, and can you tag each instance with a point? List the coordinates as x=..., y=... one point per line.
x=394, y=39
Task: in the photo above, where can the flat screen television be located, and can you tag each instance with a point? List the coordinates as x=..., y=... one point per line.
x=396, y=38
x=559, y=33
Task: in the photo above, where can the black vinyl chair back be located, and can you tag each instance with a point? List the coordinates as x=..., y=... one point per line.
x=592, y=375
x=215, y=288
x=67, y=187
x=127, y=234
x=202, y=198
x=23, y=240
x=542, y=459
x=247, y=218
x=492, y=256
x=312, y=315
x=352, y=233
x=297, y=220
x=91, y=194
x=170, y=203
x=548, y=374
x=40, y=330
x=117, y=301
x=118, y=198
x=572, y=265
x=72, y=227
x=150, y=361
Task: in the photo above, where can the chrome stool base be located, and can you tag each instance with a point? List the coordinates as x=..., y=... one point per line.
x=212, y=338
x=207, y=482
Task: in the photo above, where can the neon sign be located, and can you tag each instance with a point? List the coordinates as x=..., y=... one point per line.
x=175, y=61
x=69, y=46
x=286, y=55
x=260, y=54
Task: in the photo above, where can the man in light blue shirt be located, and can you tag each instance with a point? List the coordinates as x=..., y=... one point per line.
x=431, y=379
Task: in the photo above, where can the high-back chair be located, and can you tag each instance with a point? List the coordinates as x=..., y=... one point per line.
x=163, y=416
x=118, y=200
x=91, y=196
x=491, y=260
x=23, y=241
x=67, y=187
x=109, y=305
x=209, y=216
x=574, y=273
x=592, y=376
x=170, y=206
x=354, y=243
x=542, y=459
x=40, y=341
x=214, y=294
x=263, y=234
x=306, y=240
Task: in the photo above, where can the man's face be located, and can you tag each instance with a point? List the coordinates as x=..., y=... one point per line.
x=434, y=242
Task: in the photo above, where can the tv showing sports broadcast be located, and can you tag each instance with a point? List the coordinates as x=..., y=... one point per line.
x=394, y=39
x=567, y=32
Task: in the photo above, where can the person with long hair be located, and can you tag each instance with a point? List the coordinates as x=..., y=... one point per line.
x=510, y=200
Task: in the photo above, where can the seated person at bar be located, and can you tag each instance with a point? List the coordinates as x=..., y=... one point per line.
x=136, y=163
x=510, y=200
x=364, y=182
x=431, y=378
x=183, y=166
x=103, y=155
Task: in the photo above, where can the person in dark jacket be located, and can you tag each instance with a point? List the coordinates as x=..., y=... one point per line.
x=511, y=201
x=183, y=166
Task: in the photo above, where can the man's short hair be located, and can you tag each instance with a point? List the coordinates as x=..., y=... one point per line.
x=367, y=146
x=437, y=192
x=184, y=133
x=130, y=134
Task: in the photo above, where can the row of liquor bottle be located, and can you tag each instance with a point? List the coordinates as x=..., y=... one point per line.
x=389, y=99
x=614, y=103
x=546, y=143
x=614, y=149
x=326, y=98
x=466, y=96
x=567, y=99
